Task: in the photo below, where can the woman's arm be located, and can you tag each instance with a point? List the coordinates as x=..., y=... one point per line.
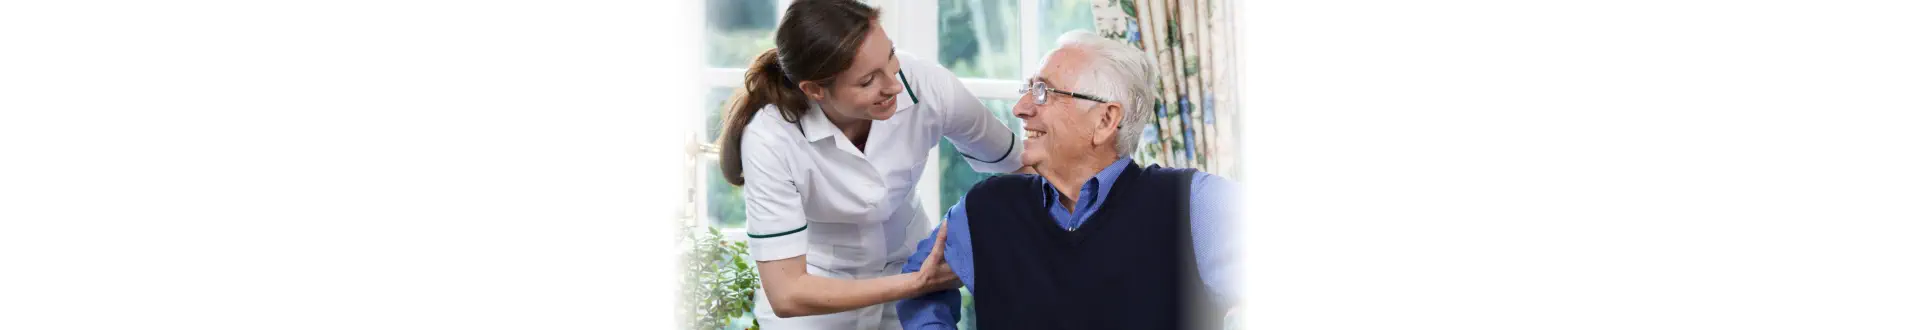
x=777, y=236
x=794, y=292
x=989, y=145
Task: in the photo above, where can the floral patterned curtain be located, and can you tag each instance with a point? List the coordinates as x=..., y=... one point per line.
x=1192, y=40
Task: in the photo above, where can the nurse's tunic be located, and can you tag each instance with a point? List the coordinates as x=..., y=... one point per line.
x=855, y=215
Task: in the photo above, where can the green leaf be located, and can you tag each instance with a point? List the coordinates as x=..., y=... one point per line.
x=1127, y=5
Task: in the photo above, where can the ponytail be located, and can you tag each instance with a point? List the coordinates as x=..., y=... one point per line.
x=766, y=83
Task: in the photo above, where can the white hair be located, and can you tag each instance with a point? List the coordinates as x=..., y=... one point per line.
x=1121, y=73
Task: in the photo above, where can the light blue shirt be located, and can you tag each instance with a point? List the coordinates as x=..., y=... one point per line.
x=1210, y=212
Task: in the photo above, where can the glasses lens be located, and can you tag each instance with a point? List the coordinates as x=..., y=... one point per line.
x=1039, y=93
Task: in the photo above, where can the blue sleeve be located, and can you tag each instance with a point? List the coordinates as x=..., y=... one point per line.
x=940, y=310
x=1213, y=215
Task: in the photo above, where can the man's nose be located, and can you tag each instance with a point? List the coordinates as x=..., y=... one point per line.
x=1024, y=109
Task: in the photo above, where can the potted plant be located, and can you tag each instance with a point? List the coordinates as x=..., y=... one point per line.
x=716, y=281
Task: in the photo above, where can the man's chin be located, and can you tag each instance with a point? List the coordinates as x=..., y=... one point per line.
x=1029, y=159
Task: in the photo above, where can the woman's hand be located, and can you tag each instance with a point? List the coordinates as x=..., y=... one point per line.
x=934, y=274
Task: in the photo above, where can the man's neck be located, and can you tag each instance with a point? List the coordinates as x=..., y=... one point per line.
x=1069, y=178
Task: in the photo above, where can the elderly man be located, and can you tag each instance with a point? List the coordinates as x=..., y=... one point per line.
x=1093, y=241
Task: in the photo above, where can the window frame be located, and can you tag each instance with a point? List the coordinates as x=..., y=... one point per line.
x=914, y=26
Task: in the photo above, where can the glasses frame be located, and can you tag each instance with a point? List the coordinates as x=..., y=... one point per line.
x=1039, y=90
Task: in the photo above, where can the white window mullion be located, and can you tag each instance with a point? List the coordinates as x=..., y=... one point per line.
x=992, y=88
x=697, y=192
x=888, y=18
x=915, y=26
x=780, y=10
x=725, y=77
x=1030, y=38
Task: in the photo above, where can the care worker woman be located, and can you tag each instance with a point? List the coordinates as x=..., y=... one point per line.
x=827, y=140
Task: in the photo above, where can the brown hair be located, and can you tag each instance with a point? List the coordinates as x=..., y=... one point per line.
x=816, y=40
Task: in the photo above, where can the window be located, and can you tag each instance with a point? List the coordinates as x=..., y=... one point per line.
x=737, y=31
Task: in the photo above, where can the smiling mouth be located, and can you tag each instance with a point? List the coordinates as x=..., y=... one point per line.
x=888, y=100
x=1034, y=134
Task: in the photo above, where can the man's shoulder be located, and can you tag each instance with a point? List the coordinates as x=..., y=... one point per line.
x=1004, y=190
x=1161, y=175
x=1004, y=183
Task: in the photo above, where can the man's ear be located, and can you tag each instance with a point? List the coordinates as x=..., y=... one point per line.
x=1110, y=115
x=814, y=90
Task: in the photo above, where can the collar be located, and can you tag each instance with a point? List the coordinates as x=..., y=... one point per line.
x=1101, y=183
x=1104, y=179
x=814, y=124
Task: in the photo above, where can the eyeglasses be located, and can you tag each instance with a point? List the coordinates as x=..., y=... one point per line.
x=1039, y=91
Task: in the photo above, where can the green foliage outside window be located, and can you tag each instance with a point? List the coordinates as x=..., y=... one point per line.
x=980, y=38
x=738, y=30
x=1059, y=16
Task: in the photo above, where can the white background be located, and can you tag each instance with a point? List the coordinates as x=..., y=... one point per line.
x=515, y=165
x=1584, y=165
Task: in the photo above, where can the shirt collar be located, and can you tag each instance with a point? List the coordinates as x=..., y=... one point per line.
x=1101, y=182
x=1104, y=179
x=814, y=124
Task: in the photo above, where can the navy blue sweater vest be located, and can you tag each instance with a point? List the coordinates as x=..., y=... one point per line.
x=1131, y=266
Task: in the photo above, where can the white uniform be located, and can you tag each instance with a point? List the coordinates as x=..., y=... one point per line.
x=854, y=214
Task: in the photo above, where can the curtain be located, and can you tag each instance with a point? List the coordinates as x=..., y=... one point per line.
x=1193, y=42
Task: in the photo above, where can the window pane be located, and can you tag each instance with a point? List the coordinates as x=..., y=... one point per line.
x=716, y=110
x=955, y=175
x=738, y=30
x=1059, y=16
x=725, y=207
x=980, y=38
